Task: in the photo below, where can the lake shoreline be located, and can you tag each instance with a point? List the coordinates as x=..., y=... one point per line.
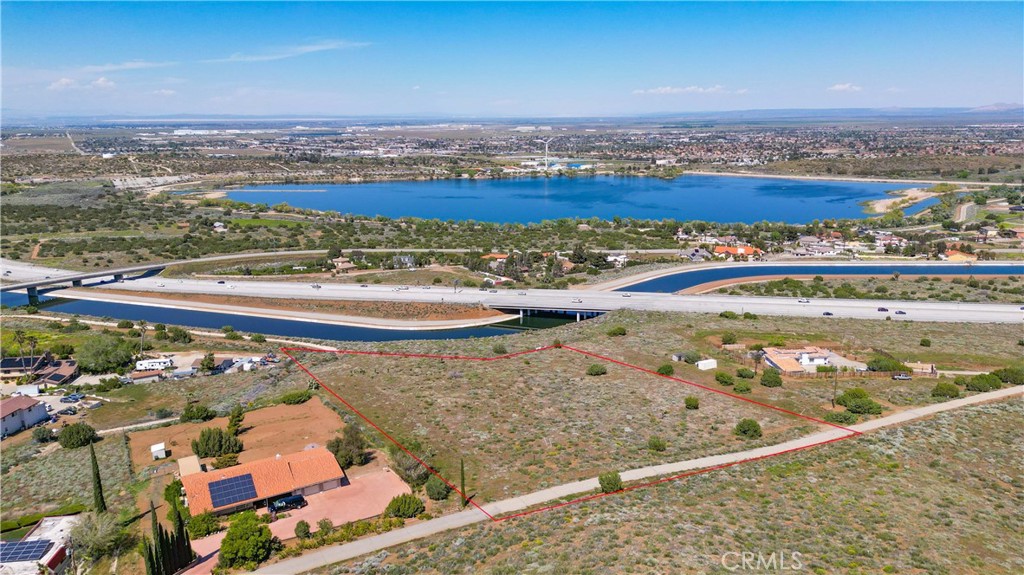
x=792, y=199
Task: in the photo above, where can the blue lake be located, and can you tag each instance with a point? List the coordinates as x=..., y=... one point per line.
x=525, y=200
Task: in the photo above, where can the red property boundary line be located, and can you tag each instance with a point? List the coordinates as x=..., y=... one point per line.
x=289, y=350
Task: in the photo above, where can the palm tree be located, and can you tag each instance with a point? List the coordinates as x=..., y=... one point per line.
x=757, y=356
x=19, y=338
x=142, y=336
x=32, y=343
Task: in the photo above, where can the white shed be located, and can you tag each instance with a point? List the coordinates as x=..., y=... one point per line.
x=158, y=450
x=706, y=364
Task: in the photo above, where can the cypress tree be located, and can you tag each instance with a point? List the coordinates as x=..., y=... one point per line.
x=147, y=556
x=462, y=473
x=98, y=503
x=158, y=558
x=181, y=534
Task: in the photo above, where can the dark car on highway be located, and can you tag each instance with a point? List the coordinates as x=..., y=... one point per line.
x=883, y=309
x=827, y=313
x=900, y=312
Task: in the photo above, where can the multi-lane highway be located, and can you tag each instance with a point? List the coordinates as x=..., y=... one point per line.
x=581, y=301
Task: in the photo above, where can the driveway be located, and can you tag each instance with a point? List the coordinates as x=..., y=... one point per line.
x=365, y=496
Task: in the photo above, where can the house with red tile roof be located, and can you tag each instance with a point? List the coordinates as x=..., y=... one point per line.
x=303, y=473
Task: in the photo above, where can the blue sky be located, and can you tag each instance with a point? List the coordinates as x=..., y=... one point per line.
x=504, y=59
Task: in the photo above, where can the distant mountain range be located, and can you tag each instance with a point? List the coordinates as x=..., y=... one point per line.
x=999, y=112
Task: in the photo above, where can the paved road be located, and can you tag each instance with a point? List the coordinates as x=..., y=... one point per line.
x=540, y=299
x=457, y=520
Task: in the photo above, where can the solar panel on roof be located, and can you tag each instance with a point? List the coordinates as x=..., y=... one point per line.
x=56, y=377
x=232, y=490
x=23, y=550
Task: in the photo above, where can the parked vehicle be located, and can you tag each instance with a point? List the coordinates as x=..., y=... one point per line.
x=902, y=377
x=290, y=502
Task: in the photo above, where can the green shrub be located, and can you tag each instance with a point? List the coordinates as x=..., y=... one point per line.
x=617, y=331
x=437, y=489
x=196, y=413
x=729, y=315
x=233, y=336
x=886, y=364
x=864, y=406
x=984, y=382
x=597, y=369
x=724, y=378
x=728, y=338
x=76, y=435
x=666, y=369
x=247, y=543
x=925, y=342
x=350, y=448
x=499, y=349
x=302, y=530
x=1010, y=375
x=770, y=378
x=610, y=482
x=8, y=525
x=748, y=315
x=691, y=357
x=748, y=429
x=841, y=417
x=214, y=442
x=655, y=443
x=742, y=387
x=125, y=324
x=946, y=389
x=225, y=461
x=202, y=525
x=43, y=435
x=692, y=402
x=258, y=338
x=745, y=373
x=405, y=506
x=296, y=397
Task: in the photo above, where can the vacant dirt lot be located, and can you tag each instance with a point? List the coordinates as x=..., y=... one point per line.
x=382, y=309
x=537, y=420
x=265, y=432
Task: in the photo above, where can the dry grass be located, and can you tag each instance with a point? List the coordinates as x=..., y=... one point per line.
x=938, y=496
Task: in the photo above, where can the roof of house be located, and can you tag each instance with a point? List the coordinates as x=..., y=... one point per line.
x=21, y=362
x=271, y=476
x=494, y=256
x=9, y=406
x=737, y=250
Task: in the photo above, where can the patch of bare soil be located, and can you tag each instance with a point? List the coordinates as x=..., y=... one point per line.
x=381, y=309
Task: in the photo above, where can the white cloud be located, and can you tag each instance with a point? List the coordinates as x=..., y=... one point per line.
x=63, y=84
x=164, y=92
x=664, y=90
x=844, y=87
x=415, y=87
x=290, y=51
x=102, y=83
x=129, y=65
x=742, y=91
